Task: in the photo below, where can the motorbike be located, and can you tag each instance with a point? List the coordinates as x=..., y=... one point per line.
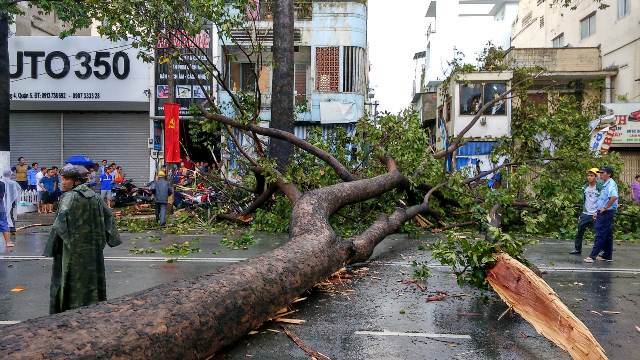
x=127, y=193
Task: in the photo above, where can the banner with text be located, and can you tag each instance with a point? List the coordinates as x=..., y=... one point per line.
x=76, y=69
x=188, y=73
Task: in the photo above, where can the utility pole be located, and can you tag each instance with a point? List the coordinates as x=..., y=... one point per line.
x=4, y=92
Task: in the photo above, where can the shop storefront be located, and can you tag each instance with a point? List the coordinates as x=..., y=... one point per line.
x=81, y=95
x=624, y=137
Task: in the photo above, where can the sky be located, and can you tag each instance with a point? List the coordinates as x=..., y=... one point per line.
x=396, y=31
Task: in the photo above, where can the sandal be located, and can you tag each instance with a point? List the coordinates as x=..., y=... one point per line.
x=588, y=260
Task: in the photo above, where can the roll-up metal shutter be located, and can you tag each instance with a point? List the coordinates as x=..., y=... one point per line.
x=118, y=137
x=36, y=136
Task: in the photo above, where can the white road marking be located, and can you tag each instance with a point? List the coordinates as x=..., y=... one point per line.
x=135, y=259
x=585, y=269
x=412, y=334
x=9, y=322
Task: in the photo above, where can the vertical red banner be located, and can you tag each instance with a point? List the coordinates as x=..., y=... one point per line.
x=171, y=133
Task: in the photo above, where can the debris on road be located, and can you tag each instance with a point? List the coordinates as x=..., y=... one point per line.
x=610, y=312
x=304, y=347
x=336, y=282
x=18, y=288
x=439, y=296
x=416, y=283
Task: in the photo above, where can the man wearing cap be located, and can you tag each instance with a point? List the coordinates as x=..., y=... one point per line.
x=607, y=205
x=82, y=226
x=590, y=193
x=161, y=190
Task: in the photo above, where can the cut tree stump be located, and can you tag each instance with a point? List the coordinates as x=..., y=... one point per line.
x=536, y=302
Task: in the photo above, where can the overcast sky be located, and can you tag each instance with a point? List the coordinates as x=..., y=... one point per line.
x=396, y=31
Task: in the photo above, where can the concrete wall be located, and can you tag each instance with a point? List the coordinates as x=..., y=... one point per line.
x=32, y=23
x=564, y=59
x=618, y=38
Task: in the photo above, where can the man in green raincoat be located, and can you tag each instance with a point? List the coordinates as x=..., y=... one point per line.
x=82, y=227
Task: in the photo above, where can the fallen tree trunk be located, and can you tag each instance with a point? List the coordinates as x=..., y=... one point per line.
x=536, y=302
x=194, y=318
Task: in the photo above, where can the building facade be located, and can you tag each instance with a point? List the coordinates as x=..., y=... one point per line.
x=614, y=32
x=459, y=101
x=81, y=95
x=330, y=71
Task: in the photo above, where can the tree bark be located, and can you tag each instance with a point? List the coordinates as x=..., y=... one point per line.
x=282, y=116
x=194, y=318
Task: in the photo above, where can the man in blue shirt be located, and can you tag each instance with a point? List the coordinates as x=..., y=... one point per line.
x=106, y=180
x=50, y=185
x=607, y=205
x=31, y=176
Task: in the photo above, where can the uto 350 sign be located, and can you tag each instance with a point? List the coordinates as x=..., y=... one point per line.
x=77, y=68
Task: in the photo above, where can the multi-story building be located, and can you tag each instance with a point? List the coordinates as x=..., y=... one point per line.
x=614, y=32
x=331, y=66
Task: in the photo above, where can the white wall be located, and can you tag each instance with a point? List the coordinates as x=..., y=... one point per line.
x=618, y=38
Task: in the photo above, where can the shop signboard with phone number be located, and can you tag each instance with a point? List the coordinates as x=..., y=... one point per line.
x=77, y=68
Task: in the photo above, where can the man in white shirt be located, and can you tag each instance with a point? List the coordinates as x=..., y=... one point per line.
x=40, y=187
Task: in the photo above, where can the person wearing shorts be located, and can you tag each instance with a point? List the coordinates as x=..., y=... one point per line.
x=106, y=180
x=49, y=183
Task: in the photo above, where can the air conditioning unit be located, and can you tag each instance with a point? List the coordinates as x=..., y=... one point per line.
x=483, y=121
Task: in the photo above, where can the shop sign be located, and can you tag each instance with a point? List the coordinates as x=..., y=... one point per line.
x=191, y=79
x=626, y=126
x=77, y=68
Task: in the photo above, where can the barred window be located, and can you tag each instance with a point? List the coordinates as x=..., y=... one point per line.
x=354, y=69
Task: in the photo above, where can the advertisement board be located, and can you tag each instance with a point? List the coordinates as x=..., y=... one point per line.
x=187, y=84
x=76, y=69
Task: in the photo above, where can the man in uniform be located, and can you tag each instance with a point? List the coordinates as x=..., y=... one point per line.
x=82, y=226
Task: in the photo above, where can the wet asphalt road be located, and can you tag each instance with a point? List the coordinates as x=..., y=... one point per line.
x=376, y=317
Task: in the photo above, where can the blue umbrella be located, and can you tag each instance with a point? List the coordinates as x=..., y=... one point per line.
x=80, y=160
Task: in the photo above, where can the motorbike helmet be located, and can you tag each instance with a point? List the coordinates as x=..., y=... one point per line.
x=161, y=174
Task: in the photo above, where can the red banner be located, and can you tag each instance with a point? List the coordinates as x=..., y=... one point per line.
x=171, y=133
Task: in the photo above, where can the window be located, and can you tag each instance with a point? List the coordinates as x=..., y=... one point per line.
x=541, y=22
x=540, y=2
x=558, y=41
x=474, y=95
x=624, y=8
x=470, y=98
x=327, y=69
x=493, y=91
x=588, y=26
x=353, y=69
x=242, y=77
x=300, y=83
